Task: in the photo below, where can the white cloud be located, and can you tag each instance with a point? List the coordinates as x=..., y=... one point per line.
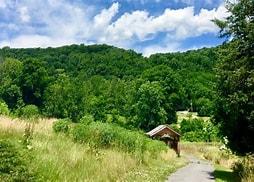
x=35, y=41
x=180, y=24
x=59, y=22
x=105, y=16
x=24, y=16
x=170, y=47
x=2, y=3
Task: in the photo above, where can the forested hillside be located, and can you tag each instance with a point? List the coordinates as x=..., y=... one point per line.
x=111, y=84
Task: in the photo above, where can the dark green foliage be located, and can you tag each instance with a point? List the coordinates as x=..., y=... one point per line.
x=13, y=164
x=10, y=91
x=197, y=130
x=33, y=81
x=204, y=106
x=62, y=126
x=149, y=109
x=235, y=102
x=64, y=97
x=110, y=135
x=113, y=85
x=195, y=77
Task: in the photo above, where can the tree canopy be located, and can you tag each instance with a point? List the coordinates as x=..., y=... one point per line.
x=111, y=84
x=235, y=102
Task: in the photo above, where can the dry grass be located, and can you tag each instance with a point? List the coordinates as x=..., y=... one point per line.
x=41, y=126
x=181, y=115
x=58, y=158
x=244, y=168
x=211, y=152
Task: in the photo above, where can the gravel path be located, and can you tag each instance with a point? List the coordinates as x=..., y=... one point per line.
x=195, y=171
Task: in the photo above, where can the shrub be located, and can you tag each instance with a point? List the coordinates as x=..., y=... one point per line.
x=29, y=112
x=175, y=127
x=193, y=136
x=204, y=107
x=61, y=125
x=244, y=168
x=192, y=125
x=105, y=135
x=4, y=109
x=87, y=119
x=13, y=165
x=197, y=130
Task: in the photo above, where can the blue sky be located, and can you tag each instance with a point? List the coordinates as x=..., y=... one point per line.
x=147, y=26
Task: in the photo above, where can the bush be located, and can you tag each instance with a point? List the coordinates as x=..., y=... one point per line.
x=29, y=112
x=4, y=108
x=198, y=130
x=105, y=135
x=204, y=107
x=193, y=136
x=61, y=125
x=87, y=119
x=175, y=127
x=13, y=166
x=244, y=168
x=192, y=125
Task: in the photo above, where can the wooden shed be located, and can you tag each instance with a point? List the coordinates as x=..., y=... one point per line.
x=168, y=135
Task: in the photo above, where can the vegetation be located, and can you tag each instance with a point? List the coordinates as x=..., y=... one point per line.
x=4, y=109
x=244, y=168
x=105, y=98
x=102, y=135
x=57, y=157
x=198, y=130
x=223, y=174
x=29, y=112
x=111, y=84
x=14, y=163
x=61, y=125
x=213, y=151
x=235, y=106
x=111, y=95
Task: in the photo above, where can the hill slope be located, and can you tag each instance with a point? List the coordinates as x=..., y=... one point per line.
x=112, y=84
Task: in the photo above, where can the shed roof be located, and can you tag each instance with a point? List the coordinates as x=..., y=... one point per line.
x=160, y=128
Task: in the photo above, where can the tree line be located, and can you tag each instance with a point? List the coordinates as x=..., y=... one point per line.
x=111, y=84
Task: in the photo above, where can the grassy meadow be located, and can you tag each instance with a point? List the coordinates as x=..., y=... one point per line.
x=56, y=157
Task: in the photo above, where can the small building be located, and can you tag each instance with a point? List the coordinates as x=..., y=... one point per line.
x=168, y=135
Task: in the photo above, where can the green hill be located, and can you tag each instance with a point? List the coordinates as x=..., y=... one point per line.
x=112, y=84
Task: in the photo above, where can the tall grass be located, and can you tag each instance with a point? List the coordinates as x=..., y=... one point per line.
x=244, y=168
x=210, y=151
x=57, y=157
x=104, y=135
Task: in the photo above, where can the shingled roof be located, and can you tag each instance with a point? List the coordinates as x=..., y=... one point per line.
x=160, y=128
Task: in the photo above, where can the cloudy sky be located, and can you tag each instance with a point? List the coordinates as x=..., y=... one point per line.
x=147, y=26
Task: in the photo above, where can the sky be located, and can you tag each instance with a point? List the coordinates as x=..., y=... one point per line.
x=146, y=26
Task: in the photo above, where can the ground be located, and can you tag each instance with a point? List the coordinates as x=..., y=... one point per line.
x=197, y=170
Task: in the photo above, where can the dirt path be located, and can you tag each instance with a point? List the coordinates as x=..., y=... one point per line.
x=196, y=171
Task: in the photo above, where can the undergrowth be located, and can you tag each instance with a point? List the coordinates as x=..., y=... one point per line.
x=57, y=157
x=104, y=135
